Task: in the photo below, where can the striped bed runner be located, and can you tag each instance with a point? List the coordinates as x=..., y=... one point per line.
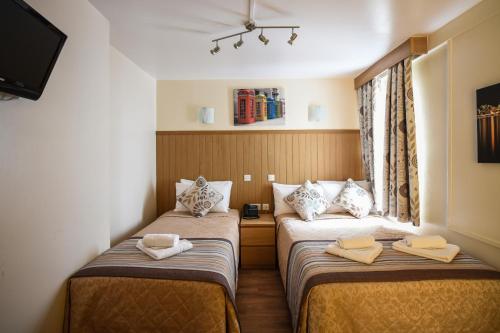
x=210, y=260
x=309, y=266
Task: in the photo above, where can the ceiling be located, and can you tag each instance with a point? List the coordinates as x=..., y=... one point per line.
x=171, y=39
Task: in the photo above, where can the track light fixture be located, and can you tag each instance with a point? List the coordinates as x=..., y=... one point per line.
x=263, y=38
x=215, y=49
x=250, y=26
x=238, y=43
x=292, y=37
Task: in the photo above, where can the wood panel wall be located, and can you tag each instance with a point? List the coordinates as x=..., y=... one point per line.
x=292, y=156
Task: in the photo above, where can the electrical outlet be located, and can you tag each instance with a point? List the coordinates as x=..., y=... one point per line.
x=247, y=178
x=258, y=205
x=265, y=206
x=271, y=178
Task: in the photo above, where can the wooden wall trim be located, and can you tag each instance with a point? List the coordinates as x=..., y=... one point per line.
x=219, y=132
x=292, y=156
x=413, y=46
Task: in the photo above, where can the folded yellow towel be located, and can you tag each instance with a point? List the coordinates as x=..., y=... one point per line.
x=365, y=255
x=160, y=240
x=426, y=242
x=355, y=242
x=445, y=255
x=162, y=253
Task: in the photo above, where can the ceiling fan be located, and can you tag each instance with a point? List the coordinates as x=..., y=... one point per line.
x=250, y=26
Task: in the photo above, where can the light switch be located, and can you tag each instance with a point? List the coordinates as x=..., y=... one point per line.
x=271, y=178
x=265, y=206
x=247, y=178
x=258, y=205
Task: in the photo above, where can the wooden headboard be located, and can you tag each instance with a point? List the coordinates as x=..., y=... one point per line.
x=291, y=155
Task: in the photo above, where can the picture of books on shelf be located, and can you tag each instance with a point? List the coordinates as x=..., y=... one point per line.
x=259, y=106
x=488, y=124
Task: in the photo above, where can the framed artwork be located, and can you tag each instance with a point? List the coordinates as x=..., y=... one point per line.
x=259, y=106
x=488, y=124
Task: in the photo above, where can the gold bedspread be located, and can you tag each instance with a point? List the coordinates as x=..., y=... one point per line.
x=401, y=306
x=124, y=304
x=409, y=306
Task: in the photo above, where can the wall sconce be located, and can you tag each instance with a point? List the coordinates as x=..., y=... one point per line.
x=316, y=113
x=207, y=115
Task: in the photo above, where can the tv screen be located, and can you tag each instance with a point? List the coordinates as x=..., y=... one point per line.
x=30, y=46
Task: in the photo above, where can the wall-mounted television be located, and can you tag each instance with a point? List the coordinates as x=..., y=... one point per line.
x=29, y=48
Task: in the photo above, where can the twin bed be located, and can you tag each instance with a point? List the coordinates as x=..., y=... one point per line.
x=397, y=293
x=124, y=290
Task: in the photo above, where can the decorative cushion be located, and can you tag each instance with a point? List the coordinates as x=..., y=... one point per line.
x=281, y=191
x=307, y=201
x=200, y=197
x=223, y=187
x=332, y=189
x=355, y=199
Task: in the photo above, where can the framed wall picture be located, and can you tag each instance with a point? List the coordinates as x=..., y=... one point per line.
x=259, y=106
x=488, y=124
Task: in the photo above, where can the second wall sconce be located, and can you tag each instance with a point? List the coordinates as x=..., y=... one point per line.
x=316, y=113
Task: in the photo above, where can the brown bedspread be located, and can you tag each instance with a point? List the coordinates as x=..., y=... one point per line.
x=123, y=290
x=398, y=292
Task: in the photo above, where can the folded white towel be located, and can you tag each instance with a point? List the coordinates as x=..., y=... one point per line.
x=162, y=253
x=365, y=255
x=160, y=240
x=426, y=242
x=445, y=255
x=356, y=242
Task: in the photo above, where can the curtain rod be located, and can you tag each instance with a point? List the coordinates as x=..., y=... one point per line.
x=413, y=46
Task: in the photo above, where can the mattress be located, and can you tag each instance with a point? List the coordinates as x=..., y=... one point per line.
x=123, y=290
x=398, y=292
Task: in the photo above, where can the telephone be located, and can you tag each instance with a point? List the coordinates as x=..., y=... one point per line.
x=250, y=212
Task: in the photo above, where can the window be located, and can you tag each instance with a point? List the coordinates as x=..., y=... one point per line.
x=379, y=96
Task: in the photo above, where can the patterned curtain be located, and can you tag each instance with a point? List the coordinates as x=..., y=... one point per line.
x=400, y=183
x=366, y=108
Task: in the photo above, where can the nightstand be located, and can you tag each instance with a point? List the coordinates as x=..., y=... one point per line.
x=257, y=242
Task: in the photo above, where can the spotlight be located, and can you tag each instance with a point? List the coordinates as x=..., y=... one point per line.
x=215, y=49
x=238, y=43
x=263, y=38
x=292, y=37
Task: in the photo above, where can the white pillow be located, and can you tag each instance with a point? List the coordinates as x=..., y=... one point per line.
x=223, y=187
x=179, y=188
x=281, y=191
x=332, y=189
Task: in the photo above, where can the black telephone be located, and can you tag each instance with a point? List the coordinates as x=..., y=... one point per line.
x=250, y=212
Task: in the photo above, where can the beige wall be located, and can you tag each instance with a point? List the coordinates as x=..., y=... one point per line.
x=463, y=202
x=77, y=168
x=132, y=151
x=54, y=174
x=178, y=103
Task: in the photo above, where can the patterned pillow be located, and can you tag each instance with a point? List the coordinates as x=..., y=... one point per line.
x=200, y=197
x=355, y=199
x=307, y=201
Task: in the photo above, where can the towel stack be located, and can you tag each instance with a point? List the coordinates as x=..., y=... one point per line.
x=362, y=249
x=432, y=247
x=161, y=246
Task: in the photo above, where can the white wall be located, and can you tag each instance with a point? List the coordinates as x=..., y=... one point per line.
x=178, y=103
x=460, y=202
x=133, y=142
x=54, y=174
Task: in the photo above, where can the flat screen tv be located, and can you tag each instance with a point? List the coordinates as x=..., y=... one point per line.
x=29, y=47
